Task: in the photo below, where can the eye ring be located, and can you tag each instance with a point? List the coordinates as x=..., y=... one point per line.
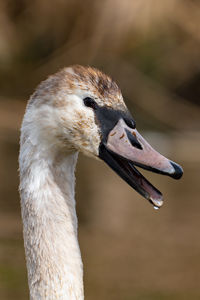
x=89, y=102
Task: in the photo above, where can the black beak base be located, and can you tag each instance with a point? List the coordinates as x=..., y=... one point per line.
x=108, y=119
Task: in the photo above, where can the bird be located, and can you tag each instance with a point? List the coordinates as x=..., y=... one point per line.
x=78, y=109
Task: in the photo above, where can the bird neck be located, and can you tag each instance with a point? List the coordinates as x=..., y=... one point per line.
x=53, y=257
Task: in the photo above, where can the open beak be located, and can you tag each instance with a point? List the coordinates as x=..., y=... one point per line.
x=124, y=148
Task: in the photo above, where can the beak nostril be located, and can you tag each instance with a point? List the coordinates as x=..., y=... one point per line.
x=121, y=137
x=133, y=140
x=133, y=133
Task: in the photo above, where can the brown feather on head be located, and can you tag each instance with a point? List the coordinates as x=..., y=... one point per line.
x=102, y=86
x=93, y=82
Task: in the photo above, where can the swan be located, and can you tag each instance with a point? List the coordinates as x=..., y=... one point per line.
x=78, y=109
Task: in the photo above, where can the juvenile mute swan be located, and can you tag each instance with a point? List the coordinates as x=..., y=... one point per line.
x=77, y=109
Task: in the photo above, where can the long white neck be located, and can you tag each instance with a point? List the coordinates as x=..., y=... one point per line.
x=49, y=222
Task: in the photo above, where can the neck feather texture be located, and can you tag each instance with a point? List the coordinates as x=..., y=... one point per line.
x=49, y=222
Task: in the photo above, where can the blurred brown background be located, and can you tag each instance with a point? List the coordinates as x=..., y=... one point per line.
x=152, y=49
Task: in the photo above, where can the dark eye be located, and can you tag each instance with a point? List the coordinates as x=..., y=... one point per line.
x=89, y=102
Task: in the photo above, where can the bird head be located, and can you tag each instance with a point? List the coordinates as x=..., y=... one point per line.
x=82, y=109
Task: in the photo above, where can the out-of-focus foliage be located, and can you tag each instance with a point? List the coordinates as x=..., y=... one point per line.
x=147, y=42
x=152, y=49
